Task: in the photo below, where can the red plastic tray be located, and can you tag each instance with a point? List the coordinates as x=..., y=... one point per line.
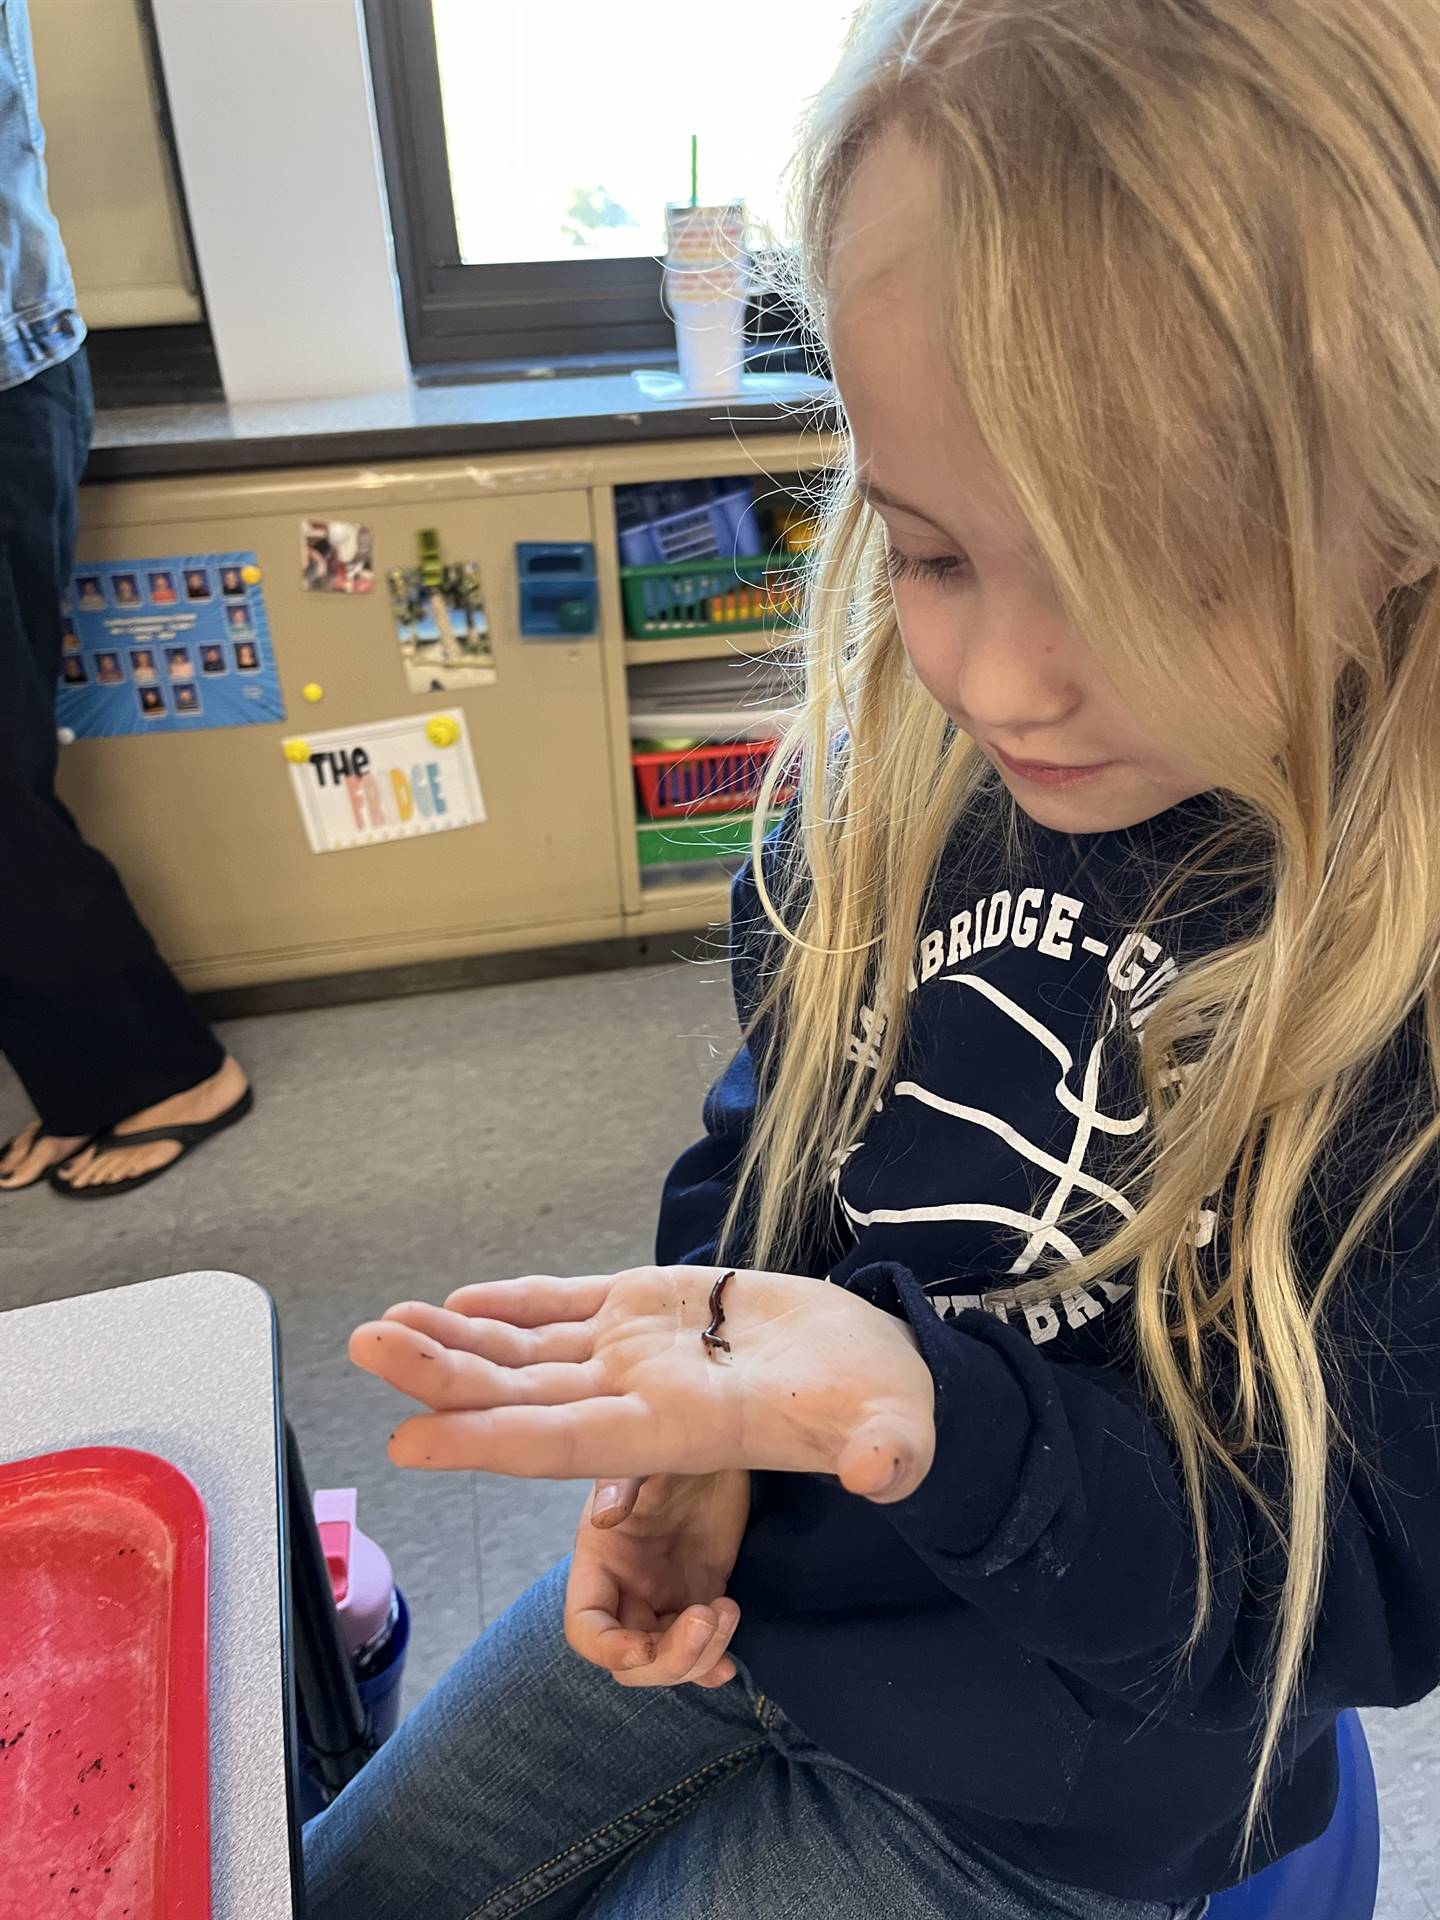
x=104, y=1750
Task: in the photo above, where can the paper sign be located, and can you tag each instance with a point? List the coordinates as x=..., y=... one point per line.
x=336, y=556
x=173, y=644
x=361, y=786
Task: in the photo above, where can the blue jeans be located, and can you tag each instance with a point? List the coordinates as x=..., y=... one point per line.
x=528, y=1782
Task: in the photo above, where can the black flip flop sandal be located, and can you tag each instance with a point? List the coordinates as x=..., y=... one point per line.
x=187, y=1136
x=45, y=1133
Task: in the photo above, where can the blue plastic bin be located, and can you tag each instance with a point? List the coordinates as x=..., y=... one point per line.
x=688, y=520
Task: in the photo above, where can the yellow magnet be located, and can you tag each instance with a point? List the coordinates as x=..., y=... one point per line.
x=250, y=574
x=297, y=751
x=312, y=691
x=442, y=731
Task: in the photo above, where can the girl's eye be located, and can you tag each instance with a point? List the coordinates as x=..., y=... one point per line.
x=947, y=567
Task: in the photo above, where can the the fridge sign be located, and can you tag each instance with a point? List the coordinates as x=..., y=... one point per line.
x=393, y=780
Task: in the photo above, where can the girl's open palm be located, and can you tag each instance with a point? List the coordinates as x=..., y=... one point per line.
x=607, y=1376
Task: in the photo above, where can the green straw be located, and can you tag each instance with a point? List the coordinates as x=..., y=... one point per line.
x=694, y=169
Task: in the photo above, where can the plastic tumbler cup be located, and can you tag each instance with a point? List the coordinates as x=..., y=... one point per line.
x=705, y=235
x=708, y=307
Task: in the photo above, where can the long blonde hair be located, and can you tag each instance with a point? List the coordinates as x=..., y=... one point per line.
x=1194, y=297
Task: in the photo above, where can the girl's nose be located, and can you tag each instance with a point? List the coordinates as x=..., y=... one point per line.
x=1011, y=681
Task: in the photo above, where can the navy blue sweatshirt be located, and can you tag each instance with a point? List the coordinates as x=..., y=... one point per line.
x=1003, y=1645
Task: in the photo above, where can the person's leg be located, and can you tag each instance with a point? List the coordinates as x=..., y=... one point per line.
x=519, y=1780
x=802, y=1836
x=527, y=1783
x=92, y=1020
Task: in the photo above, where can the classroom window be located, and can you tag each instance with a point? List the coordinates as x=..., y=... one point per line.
x=530, y=151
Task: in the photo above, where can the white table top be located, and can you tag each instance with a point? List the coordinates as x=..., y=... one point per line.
x=184, y=1367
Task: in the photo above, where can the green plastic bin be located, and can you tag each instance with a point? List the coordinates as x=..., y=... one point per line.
x=686, y=598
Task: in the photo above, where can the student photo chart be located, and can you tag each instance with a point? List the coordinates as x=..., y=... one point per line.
x=169, y=644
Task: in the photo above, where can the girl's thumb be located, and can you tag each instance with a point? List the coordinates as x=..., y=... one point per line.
x=886, y=1459
x=614, y=1501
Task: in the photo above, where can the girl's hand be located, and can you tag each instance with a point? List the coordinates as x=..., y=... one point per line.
x=646, y=1598
x=607, y=1376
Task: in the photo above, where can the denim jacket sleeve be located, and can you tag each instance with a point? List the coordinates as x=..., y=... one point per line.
x=39, y=324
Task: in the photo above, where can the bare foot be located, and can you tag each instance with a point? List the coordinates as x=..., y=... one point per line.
x=205, y=1102
x=27, y=1159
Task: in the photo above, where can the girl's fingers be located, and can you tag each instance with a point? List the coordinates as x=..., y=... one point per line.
x=727, y=1618
x=692, y=1649
x=597, y=1636
x=719, y=1675
x=621, y=1632
x=677, y=1650
x=534, y=1302
x=443, y=1379
x=595, y=1633
x=495, y=1340
x=609, y=1438
x=887, y=1457
x=638, y=1614
x=614, y=1501
x=593, y=1624
x=605, y=1643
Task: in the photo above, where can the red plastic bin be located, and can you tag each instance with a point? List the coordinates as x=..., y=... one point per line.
x=723, y=779
x=104, y=1748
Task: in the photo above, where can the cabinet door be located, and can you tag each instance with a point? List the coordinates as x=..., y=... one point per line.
x=204, y=826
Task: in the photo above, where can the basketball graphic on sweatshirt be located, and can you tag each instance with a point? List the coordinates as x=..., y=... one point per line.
x=993, y=1158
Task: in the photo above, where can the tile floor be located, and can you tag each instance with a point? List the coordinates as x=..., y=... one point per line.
x=404, y=1147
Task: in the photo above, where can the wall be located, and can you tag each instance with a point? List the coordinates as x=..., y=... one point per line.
x=111, y=180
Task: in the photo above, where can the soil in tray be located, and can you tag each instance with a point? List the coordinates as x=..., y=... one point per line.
x=85, y=1594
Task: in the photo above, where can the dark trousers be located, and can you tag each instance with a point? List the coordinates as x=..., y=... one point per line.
x=91, y=1018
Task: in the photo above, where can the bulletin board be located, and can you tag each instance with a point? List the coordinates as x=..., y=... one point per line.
x=174, y=643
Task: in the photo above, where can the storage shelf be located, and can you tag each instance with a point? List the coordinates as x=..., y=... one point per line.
x=707, y=646
x=698, y=839
x=674, y=893
x=714, y=726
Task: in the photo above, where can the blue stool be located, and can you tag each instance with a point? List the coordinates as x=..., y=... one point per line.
x=1336, y=1877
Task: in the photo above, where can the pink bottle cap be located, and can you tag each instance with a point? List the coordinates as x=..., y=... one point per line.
x=360, y=1575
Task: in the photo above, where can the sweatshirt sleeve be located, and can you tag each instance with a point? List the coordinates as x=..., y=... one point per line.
x=1056, y=1503
x=697, y=1190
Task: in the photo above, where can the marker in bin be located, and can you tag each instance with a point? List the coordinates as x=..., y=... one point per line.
x=374, y=1620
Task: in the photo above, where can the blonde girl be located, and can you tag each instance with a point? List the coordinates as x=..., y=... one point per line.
x=1026, y=1445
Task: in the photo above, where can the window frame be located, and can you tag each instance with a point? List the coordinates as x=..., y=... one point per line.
x=580, y=310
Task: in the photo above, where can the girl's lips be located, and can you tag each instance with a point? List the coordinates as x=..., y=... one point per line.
x=1048, y=775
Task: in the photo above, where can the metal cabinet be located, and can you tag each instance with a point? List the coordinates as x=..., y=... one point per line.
x=204, y=826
